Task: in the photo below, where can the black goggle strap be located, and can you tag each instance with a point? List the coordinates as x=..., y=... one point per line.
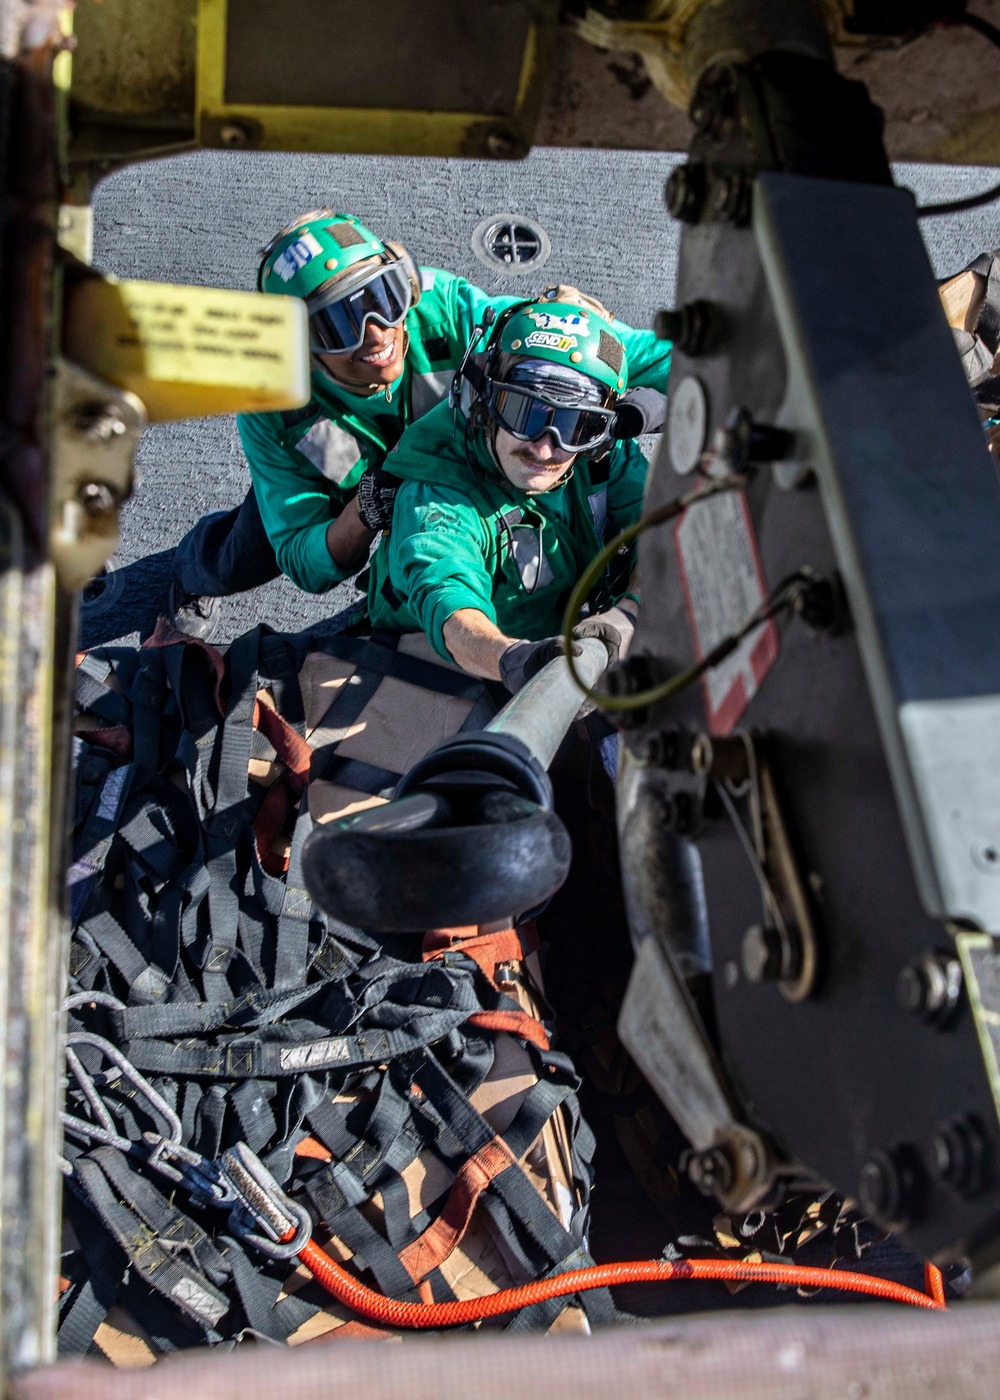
x=469, y=371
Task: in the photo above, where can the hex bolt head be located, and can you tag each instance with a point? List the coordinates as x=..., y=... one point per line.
x=99, y=422
x=711, y=1172
x=889, y=1186
x=233, y=135
x=629, y=677
x=97, y=497
x=820, y=606
x=668, y=325
x=761, y=954
x=685, y=192
x=911, y=989
x=930, y=987
x=960, y=1151
x=500, y=144
x=666, y=748
x=695, y=327
x=723, y=191
x=728, y=196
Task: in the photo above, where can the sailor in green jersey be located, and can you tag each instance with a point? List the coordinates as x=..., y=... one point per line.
x=386, y=338
x=508, y=495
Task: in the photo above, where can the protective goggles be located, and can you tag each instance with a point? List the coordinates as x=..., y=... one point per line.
x=527, y=416
x=338, y=327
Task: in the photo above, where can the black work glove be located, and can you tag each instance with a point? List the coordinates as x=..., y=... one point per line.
x=614, y=628
x=376, y=494
x=522, y=660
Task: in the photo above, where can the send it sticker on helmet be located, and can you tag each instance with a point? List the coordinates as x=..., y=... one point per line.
x=569, y=323
x=296, y=255
x=548, y=340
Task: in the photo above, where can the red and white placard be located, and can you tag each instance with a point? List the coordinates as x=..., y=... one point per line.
x=723, y=585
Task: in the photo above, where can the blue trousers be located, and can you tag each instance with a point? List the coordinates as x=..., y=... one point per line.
x=226, y=552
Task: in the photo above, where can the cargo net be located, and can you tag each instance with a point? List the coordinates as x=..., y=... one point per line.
x=402, y=1092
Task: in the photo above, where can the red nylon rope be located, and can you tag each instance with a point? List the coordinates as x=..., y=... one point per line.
x=388, y=1311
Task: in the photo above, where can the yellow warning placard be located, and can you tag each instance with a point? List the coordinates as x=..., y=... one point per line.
x=979, y=955
x=188, y=352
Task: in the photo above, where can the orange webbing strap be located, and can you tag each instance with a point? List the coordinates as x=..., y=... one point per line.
x=512, y=1023
x=117, y=738
x=290, y=747
x=283, y=795
x=441, y=1238
x=487, y=951
x=166, y=636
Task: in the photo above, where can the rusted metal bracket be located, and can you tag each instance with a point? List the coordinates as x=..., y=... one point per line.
x=97, y=430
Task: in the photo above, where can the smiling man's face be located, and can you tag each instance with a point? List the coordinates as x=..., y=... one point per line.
x=533, y=467
x=378, y=361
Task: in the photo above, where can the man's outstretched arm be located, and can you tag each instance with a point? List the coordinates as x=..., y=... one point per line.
x=349, y=539
x=475, y=643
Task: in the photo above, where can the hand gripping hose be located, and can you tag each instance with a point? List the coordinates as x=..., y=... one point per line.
x=388, y=1311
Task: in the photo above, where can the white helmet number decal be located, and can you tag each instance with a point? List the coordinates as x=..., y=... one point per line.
x=296, y=255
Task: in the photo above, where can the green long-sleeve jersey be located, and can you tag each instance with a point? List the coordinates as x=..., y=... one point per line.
x=464, y=537
x=305, y=463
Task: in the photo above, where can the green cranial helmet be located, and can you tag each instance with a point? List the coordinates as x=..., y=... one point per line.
x=563, y=334
x=548, y=368
x=306, y=256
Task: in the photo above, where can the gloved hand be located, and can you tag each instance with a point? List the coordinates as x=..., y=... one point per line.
x=522, y=660
x=614, y=628
x=376, y=494
x=566, y=292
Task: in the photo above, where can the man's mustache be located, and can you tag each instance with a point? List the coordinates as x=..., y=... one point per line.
x=524, y=455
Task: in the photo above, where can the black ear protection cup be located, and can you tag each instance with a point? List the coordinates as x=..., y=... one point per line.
x=409, y=267
x=630, y=422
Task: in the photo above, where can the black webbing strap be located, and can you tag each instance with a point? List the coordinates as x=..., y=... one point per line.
x=259, y=1295
x=88, y=1301
x=528, y=1225
x=227, y=818
x=372, y=654
x=372, y=1251
x=176, y=1231
x=93, y=843
x=253, y=1057
x=95, y=696
x=356, y=773
x=252, y=1014
x=145, y=981
x=184, y=1286
x=258, y=1007
x=292, y=951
